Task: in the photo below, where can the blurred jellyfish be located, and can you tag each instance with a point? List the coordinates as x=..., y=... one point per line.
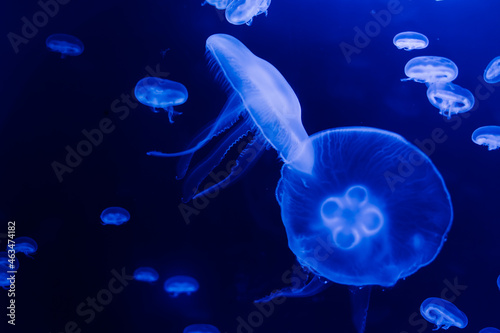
x=219, y=4
x=67, y=45
x=201, y=328
x=146, y=274
x=8, y=263
x=410, y=40
x=262, y=102
x=162, y=94
x=180, y=284
x=489, y=330
x=492, y=71
x=431, y=69
x=498, y=282
x=450, y=98
x=25, y=245
x=115, y=215
x=243, y=11
x=442, y=313
x=487, y=136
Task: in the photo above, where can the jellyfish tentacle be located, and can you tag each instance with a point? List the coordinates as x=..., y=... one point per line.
x=313, y=287
x=171, y=113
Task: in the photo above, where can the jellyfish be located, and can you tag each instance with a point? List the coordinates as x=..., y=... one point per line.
x=450, y=98
x=430, y=69
x=243, y=11
x=492, y=71
x=146, y=274
x=498, y=282
x=115, y=215
x=410, y=40
x=487, y=136
x=25, y=245
x=261, y=102
x=489, y=330
x=219, y=4
x=67, y=45
x=442, y=313
x=162, y=94
x=201, y=328
x=181, y=284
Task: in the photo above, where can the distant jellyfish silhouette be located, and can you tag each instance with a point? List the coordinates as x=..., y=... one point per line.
x=431, y=69
x=492, y=71
x=146, y=274
x=181, y=284
x=201, y=328
x=410, y=40
x=489, y=330
x=115, y=216
x=67, y=45
x=243, y=11
x=219, y=4
x=26, y=245
x=261, y=102
x=442, y=313
x=161, y=94
x=487, y=136
x=450, y=98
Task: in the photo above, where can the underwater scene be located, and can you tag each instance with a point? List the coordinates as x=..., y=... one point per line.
x=246, y=166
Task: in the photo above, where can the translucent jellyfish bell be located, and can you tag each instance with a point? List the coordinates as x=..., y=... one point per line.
x=181, y=284
x=410, y=40
x=450, y=98
x=489, y=330
x=219, y=4
x=442, y=313
x=492, y=71
x=431, y=69
x=26, y=245
x=498, y=282
x=243, y=11
x=487, y=136
x=146, y=274
x=161, y=94
x=67, y=45
x=115, y=216
x=201, y=328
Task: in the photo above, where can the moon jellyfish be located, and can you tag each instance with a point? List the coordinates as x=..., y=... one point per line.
x=181, y=284
x=162, y=94
x=67, y=45
x=442, y=313
x=115, y=215
x=201, y=328
x=431, y=69
x=243, y=11
x=146, y=274
x=219, y=4
x=261, y=102
x=450, y=98
x=487, y=136
x=410, y=40
x=25, y=245
x=492, y=71
x=489, y=330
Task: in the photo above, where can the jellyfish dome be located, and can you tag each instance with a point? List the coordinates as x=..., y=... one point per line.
x=181, y=284
x=410, y=40
x=201, y=328
x=373, y=210
x=146, y=274
x=487, y=136
x=67, y=45
x=115, y=216
x=25, y=245
x=442, y=313
x=430, y=69
x=243, y=11
x=489, y=330
x=492, y=71
x=498, y=282
x=161, y=94
x=450, y=98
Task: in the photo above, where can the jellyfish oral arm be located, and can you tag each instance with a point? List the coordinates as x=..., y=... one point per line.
x=313, y=287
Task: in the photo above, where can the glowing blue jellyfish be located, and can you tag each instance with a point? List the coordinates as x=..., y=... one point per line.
x=201, y=328
x=67, y=45
x=487, y=136
x=431, y=69
x=410, y=40
x=115, y=215
x=146, y=274
x=442, y=313
x=492, y=71
x=489, y=330
x=26, y=245
x=162, y=94
x=8, y=263
x=243, y=11
x=498, y=282
x=267, y=106
x=181, y=284
x=450, y=98
x=219, y=4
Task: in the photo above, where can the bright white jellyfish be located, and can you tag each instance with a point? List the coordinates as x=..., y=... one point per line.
x=492, y=71
x=242, y=11
x=430, y=69
x=410, y=40
x=450, y=98
x=488, y=136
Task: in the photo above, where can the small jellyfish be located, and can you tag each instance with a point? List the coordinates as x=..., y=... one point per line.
x=25, y=245
x=162, y=94
x=180, y=284
x=442, y=313
x=492, y=71
x=450, y=98
x=67, y=45
x=219, y=4
x=410, y=40
x=146, y=274
x=243, y=11
x=498, y=282
x=201, y=328
x=487, y=136
x=430, y=69
x=115, y=215
x=489, y=330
